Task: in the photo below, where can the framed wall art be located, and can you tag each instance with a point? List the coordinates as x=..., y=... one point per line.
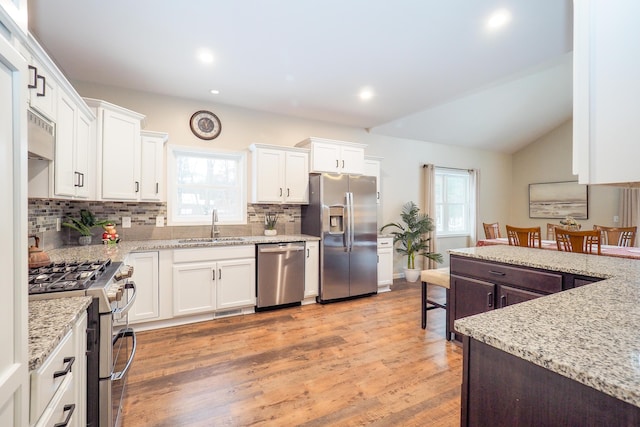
x=559, y=200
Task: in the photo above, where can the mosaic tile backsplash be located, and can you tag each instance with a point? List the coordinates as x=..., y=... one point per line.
x=43, y=214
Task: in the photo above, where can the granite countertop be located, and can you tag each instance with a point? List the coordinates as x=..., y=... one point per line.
x=589, y=334
x=120, y=251
x=49, y=322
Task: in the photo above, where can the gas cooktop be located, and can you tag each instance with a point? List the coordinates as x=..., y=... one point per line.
x=66, y=276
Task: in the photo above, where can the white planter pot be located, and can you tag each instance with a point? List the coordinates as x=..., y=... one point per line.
x=270, y=232
x=411, y=274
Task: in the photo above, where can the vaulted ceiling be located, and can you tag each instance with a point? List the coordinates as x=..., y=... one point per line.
x=434, y=69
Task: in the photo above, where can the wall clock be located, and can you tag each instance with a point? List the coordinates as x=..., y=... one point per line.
x=205, y=125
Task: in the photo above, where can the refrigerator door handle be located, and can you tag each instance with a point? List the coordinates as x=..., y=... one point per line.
x=347, y=222
x=350, y=221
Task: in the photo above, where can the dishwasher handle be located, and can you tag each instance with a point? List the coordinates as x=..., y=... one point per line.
x=281, y=249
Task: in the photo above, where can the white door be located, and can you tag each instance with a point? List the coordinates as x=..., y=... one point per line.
x=83, y=177
x=14, y=376
x=269, y=179
x=120, y=156
x=65, y=177
x=351, y=160
x=311, y=269
x=326, y=157
x=297, y=178
x=146, y=305
x=236, y=285
x=152, y=150
x=194, y=288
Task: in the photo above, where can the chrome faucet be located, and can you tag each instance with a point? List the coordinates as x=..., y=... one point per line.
x=214, y=226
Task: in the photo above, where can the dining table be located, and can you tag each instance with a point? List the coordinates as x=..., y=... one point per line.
x=606, y=250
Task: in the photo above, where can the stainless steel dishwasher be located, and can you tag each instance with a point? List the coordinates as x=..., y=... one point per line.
x=280, y=280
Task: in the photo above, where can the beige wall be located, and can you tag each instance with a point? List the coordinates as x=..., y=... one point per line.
x=549, y=160
x=402, y=158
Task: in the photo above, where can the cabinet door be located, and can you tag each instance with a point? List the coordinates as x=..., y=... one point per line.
x=509, y=296
x=152, y=150
x=351, y=160
x=325, y=157
x=65, y=178
x=145, y=267
x=269, y=179
x=296, y=178
x=385, y=262
x=84, y=174
x=120, y=156
x=43, y=97
x=372, y=168
x=311, y=269
x=236, y=285
x=471, y=296
x=14, y=377
x=194, y=288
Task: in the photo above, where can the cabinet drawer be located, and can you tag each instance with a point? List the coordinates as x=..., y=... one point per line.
x=217, y=253
x=522, y=277
x=46, y=380
x=63, y=407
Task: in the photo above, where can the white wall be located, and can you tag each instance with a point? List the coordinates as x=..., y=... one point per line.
x=549, y=160
x=402, y=158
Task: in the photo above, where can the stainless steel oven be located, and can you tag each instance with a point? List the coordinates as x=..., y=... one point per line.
x=109, y=352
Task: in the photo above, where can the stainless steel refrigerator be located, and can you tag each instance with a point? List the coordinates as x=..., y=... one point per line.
x=342, y=211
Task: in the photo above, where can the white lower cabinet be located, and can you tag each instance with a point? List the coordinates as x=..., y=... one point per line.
x=311, y=270
x=385, y=263
x=58, y=386
x=145, y=276
x=210, y=279
x=236, y=283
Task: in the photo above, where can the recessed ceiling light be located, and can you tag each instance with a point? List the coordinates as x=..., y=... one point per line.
x=205, y=57
x=498, y=19
x=214, y=91
x=366, y=94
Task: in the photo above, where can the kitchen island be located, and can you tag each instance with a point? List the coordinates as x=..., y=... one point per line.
x=571, y=354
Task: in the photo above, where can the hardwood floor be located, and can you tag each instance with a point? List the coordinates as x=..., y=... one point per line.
x=358, y=362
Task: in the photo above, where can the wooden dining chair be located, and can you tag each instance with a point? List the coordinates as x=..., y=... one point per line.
x=617, y=236
x=586, y=242
x=551, y=231
x=528, y=237
x=491, y=231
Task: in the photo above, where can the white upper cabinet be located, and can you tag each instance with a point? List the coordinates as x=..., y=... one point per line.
x=16, y=10
x=118, y=151
x=73, y=176
x=42, y=90
x=152, y=165
x=335, y=156
x=279, y=174
x=372, y=168
x=606, y=89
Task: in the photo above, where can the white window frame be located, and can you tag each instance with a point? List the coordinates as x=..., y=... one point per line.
x=442, y=172
x=172, y=187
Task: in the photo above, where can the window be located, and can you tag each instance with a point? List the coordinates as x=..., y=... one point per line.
x=201, y=180
x=453, y=202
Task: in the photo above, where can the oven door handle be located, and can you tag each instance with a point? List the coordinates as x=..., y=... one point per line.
x=119, y=312
x=123, y=333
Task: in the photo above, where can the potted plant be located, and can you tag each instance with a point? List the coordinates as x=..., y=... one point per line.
x=411, y=235
x=84, y=225
x=270, y=221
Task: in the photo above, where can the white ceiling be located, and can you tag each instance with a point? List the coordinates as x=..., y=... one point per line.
x=437, y=74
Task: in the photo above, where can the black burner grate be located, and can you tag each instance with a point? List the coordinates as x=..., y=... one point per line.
x=65, y=276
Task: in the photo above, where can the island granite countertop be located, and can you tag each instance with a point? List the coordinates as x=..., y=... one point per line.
x=119, y=251
x=588, y=334
x=49, y=322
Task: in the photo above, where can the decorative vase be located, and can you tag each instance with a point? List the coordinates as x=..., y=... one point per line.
x=411, y=274
x=270, y=232
x=84, y=240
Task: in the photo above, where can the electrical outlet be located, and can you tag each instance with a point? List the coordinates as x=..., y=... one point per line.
x=616, y=218
x=160, y=221
x=58, y=224
x=126, y=222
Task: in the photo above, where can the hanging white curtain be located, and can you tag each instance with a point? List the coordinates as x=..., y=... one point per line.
x=474, y=211
x=430, y=209
x=630, y=208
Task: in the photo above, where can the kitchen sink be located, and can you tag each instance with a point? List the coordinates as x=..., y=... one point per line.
x=213, y=240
